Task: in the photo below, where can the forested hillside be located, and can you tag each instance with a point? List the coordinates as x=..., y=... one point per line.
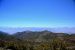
x=37, y=40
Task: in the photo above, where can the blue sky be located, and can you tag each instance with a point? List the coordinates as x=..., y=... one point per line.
x=37, y=13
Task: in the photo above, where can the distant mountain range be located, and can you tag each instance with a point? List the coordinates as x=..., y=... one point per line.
x=33, y=35
x=39, y=36
x=14, y=30
x=35, y=38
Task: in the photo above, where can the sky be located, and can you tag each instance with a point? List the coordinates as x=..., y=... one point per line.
x=37, y=13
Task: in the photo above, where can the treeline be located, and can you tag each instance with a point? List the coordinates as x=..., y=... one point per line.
x=44, y=40
x=55, y=44
x=31, y=45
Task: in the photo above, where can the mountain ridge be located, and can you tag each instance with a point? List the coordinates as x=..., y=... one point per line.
x=57, y=30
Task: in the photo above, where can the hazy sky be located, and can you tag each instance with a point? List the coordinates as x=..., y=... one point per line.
x=37, y=13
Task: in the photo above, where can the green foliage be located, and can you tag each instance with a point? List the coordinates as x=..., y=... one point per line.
x=49, y=41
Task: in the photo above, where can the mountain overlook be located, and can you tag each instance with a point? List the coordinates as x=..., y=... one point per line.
x=32, y=39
